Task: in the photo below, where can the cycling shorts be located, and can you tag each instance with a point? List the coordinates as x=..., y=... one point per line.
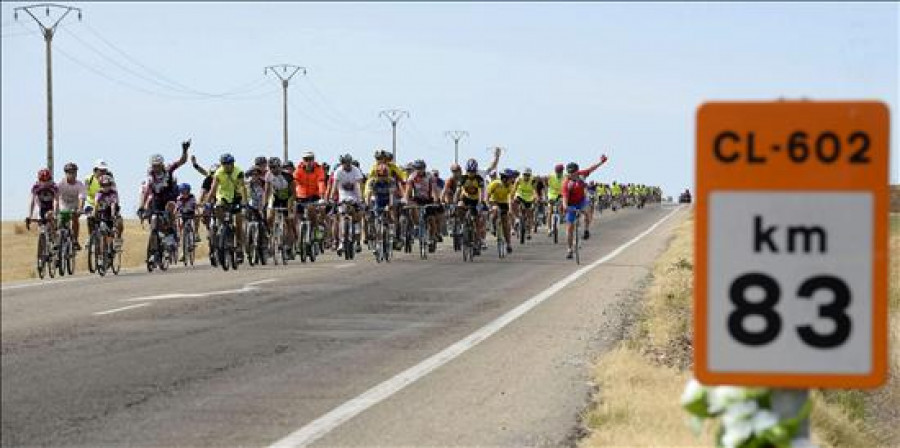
x=572, y=211
x=504, y=207
x=430, y=211
x=525, y=204
x=279, y=203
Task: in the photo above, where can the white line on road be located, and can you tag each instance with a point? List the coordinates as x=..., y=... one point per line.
x=252, y=286
x=323, y=425
x=129, y=307
x=345, y=266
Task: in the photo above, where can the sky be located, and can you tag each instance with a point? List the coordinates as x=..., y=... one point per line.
x=550, y=82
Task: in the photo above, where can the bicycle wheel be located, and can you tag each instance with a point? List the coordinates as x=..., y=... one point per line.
x=303, y=237
x=90, y=251
x=555, y=225
x=192, y=246
x=501, y=238
x=521, y=230
x=223, y=243
x=577, y=243
x=51, y=263
x=252, y=242
x=162, y=253
x=40, y=261
x=70, y=260
x=116, y=259
x=62, y=254
x=101, y=262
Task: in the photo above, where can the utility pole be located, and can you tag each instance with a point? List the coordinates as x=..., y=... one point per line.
x=456, y=136
x=48, y=31
x=394, y=115
x=285, y=78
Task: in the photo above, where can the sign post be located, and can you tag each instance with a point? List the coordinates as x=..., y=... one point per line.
x=791, y=244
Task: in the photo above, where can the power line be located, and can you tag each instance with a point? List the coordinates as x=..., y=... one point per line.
x=394, y=116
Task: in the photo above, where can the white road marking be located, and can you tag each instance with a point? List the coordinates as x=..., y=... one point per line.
x=345, y=266
x=129, y=307
x=321, y=426
x=46, y=282
x=252, y=286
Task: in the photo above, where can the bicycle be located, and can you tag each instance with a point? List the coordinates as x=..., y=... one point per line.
x=500, y=231
x=576, y=238
x=188, y=239
x=406, y=232
x=470, y=243
x=92, y=224
x=225, y=245
x=65, y=258
x=45, y=255
x=554, y=222
x=348, y=230
x=308, y=243
x=160, y=247
x=421, y=231
x=454, y=226
x=383, y=234
x=107, y=256
x=255, y=247
x=277, y=245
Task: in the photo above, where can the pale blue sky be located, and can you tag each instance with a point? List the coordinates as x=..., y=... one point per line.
x=552, y=82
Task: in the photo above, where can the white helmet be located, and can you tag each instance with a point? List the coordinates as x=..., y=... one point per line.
x=307, y=154
x=157, y=159
x=100, y=164
x=527, y=171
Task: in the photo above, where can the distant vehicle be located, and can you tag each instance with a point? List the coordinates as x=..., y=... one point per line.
x=685, y=198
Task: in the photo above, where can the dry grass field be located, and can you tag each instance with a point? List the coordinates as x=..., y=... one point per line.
x=19, y=246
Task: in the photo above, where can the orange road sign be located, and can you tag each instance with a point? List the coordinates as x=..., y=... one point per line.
x=791, y=244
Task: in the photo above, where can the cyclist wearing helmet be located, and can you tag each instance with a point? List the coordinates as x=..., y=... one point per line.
x=574, y=199
x=523, y=206
x=346, y=187
x=92, y=184
x=422, y=190
x=162, y=188
x=379, y=192
x=310, y=186
x=186, y=208
x=204, y=187
x=450, y=185
x=281, y=190
x=262, y=163
x=257, y=198
x=470, y=196
x=45, y=194
x=107, y=208
x=498, y=192
x=228, y=190
x=72, y=195
x=554, y=186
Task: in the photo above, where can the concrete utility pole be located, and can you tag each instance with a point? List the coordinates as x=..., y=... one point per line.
x=456, y=136
x=48, y=31
x=394, y=115
x=285, y=78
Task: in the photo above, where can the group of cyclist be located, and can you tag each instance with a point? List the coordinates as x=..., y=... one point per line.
x=317, y=192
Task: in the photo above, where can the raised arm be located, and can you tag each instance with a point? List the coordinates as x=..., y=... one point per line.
x=594, y=167
x=496, y=161
x=184, y=155
x=199, y=168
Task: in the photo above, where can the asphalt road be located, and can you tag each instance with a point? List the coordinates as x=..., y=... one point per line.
x=200, y=357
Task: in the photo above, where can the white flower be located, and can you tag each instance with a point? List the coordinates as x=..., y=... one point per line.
x=692, y=392
x=737, y=412
x=736, y=434
x=722, y=396
x=763, y=420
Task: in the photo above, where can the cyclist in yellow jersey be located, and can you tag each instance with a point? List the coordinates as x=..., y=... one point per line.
x=499, y=192
x=470, y=189
x=525, y=195
x=229, y=190
x=554, y=189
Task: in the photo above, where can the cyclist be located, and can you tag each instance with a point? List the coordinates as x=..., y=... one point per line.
x=616, y=199
x=470, y=196
x=107, y=208
x=346, y=187
x=574, y=198
x=72, y=194
x=583, y=174
x=45, y=194
x=554, y=185
x=228, y=190
x=422, y=190
x=92, y=185
x=379, y=192
x=523, y=207
x=281, y=190
x=204, y=187
x=498, y=192
x=310, y=188
x=262, y=163
x=592, y=198
x=186, y=208
x=257, y=195
x=162, y=189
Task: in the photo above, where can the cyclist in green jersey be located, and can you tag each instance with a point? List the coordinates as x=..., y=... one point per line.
x=229, y=190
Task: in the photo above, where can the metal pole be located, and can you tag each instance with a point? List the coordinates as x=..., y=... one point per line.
x=48, y=38
x=456, y=152
x=284, y=86
x=394, y=145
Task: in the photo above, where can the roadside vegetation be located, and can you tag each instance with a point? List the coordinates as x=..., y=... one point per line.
x=19, y=246
x=640, y=381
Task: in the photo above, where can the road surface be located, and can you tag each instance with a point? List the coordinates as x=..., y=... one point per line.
x=311, y=353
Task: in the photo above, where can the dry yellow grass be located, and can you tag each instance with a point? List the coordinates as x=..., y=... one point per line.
x=19, y=246
x=639, y=405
